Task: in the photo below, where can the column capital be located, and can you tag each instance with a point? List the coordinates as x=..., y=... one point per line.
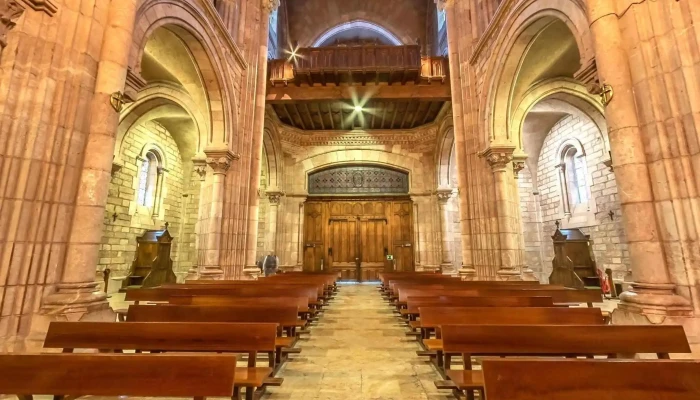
x=274, y=195
x=200, y=166
x=220, y=159
x=443, y=194
x=518, y=163
x=270, y=6
x=498, y=156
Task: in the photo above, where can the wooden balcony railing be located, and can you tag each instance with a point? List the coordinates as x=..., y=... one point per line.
x=358, y=64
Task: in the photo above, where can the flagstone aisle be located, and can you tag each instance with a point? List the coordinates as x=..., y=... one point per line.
x=358, y=350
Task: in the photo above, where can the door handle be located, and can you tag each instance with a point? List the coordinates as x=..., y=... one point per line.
x=330, y=251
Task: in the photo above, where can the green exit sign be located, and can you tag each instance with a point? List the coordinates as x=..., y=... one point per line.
x=389, y=257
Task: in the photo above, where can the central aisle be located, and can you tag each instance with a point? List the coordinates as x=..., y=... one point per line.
x=357, y=350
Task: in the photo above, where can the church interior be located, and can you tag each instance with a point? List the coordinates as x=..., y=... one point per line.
x=354, y=199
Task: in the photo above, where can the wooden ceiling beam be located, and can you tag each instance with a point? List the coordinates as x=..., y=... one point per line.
x=330, y=116
x=292, y=94
x=296, y=110
x=320, y=116
x=415, y=115
x=405, y=114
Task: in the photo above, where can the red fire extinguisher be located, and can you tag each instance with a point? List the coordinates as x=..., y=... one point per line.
x=604, y=283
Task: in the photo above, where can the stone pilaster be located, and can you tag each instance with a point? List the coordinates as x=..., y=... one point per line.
x=443, y=196
x=219, y=161
x=500, y=158
x=199, y=166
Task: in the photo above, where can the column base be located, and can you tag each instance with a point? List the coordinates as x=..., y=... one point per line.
x=467, y=273
x=654, y=300
x=509, y=274
x=192, y=274
x=211, y=274
x=252, y=272
x=71, y=302
x=448, y=269
x=528, y=274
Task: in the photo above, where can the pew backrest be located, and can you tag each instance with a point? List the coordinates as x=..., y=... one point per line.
x=511, y=379
x=144, y=375
x=284, y=316
x=207, y=300
x=414, y=303
x=564, y=339
x=434, y=317
x=565, y=296
x=163, y=336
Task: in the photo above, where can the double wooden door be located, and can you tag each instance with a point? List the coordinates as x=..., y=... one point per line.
x=354, y=237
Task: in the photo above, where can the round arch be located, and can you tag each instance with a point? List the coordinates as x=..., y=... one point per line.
x=527, y=21
x=272, y=150
x=379, y=30
x=157, y=100
x=188, y=23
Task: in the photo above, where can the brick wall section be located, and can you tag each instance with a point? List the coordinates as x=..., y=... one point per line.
x=540, y=211
x=180, y=205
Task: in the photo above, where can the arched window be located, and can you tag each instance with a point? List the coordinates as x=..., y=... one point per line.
x=273, y=36
x=441, y=49
x=574, y=180
x=148, y=180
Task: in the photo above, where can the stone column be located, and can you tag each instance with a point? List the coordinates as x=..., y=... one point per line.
x=499, y=158
x=467, y=271
x=219, y=160
x=77, y=292
x=258, y=125
x=274, y=195
x=652, y=292
x=199, y=165
x=229, y=12
x=527, y=274
x=443, y=196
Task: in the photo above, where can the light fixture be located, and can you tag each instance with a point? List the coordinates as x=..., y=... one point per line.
x=358, y=108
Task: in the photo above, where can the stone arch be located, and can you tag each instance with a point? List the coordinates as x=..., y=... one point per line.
x=302, y=168
x=527, y=22
x=157, y=150
x=571, y=96
x=357, y=24
x=445, y=159
x=272, y=149
x=191, y=26
x=160, y=98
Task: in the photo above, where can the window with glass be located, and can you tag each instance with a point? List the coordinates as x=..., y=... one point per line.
x=148, y=180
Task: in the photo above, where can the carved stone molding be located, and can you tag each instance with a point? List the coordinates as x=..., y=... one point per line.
x=498, y=157
x=588, y=74
x=220, y=160
x=518, y=163
x=200, y=167
x=10, y=11
x=46, y=6
x=270, y=5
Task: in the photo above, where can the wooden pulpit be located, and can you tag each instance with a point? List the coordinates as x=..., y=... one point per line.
x=152, y=265
x=573, y=264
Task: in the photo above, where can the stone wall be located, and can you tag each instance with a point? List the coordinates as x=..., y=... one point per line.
x=542, y=205
x=179, y=204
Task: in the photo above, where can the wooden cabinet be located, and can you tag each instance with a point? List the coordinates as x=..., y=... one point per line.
x=353, y=237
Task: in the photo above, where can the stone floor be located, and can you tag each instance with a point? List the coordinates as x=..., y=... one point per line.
x=358, y=350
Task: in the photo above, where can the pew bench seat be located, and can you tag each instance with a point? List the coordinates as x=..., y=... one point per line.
x=465, y=379
x=252, y=377
x=433, y=344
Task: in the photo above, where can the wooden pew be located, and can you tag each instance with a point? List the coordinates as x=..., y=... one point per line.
x=591, y=379
x=413, y=304
x=285, y=317
x=320, y=287
x=144, y=375
x=432, y=318
x=118, y=337
x=163, y=294
x=553, y=340
x=566, y=296
x=205, y=300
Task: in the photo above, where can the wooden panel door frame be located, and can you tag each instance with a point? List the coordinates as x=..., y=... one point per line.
x=397, y=234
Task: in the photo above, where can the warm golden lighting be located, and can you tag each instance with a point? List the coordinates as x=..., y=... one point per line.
x=358, y=108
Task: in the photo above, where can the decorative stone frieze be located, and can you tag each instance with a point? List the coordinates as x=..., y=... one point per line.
x=10, y=11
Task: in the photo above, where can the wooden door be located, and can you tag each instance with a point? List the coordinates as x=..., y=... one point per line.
x=354, y=236
x=314, y=243
x=402, y=236
x=374, y=235
x=343, y=254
